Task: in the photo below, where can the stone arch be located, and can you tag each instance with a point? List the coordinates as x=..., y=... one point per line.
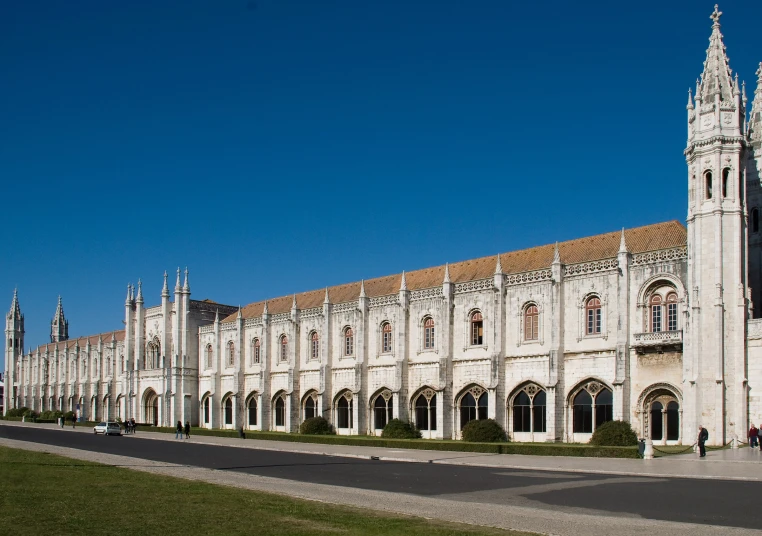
x=343, y=409
x=651, y=282
x=310, y=405
x=150, y=407
x=424, y=406
x=206, y=408
x=381, y=408
x=252, y=409
x=227, y=405
x=526, y=410
x=589, y=404
x=671, y=425
x=471, y=403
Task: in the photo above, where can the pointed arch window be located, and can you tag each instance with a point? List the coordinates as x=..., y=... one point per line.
x=386, y=338
x=594, y=316
x=283, y=348
x=310, y=406
x=383, y=409
x=477, y=329
x=345, y=411
x=229, y=410
x=428, y=333
x=314, y=345
x=349, y=342
x=708, y=184
x=754, y=220
x=531, y=323
x=725, y=182
x=209, y=354
x=280, y=411
x=252, y=411
x=529, y=410
x=426, y=410
x=255, y=351
x=473, y=405
x=231, y=353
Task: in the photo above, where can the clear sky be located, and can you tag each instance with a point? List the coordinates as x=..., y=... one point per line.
x=275, y=146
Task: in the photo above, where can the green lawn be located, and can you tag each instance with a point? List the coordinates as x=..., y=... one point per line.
x=46, y=494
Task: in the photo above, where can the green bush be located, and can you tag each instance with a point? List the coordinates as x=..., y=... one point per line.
x=69, y=415
x=51, y=416
x=316, y=426
x=17, y=412
x=484, y=431
x=397, y=429
x=614, y=434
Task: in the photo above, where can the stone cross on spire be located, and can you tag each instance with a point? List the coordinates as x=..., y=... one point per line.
x=716, y=16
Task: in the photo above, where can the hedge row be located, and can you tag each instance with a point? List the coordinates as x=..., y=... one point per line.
x=536, y=449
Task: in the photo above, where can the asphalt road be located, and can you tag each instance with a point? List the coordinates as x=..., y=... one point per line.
x=717, y=502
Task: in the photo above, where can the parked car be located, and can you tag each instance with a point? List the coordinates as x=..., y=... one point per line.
x=107, y=428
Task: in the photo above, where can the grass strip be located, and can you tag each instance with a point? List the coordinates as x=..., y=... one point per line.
x=48, y=494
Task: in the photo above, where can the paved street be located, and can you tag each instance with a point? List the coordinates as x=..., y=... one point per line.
x=716, y=502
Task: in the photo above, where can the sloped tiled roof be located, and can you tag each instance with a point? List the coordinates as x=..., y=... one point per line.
x=71, y=343
x=605, y=246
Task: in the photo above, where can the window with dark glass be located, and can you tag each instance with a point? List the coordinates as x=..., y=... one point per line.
x=349, y=342
x=522, y=413
x=708, y=184
x=206, y=410
x=672, y=312
x=472, y=408
x=256, y=350
x=583, y=413
x=231, y=353
x=725, y=181
x=604, y=407
x=280, y=412
x=309, y=408
x=208, y=356
x=382, y=412
x=656, y=309
x=229, y=411
x=673, y=421
x=252, y=411
x=284, y=348
x=656, y=421
x=426, y=412
x=754, y=220
x=314, y=345
x=344, y=416
x=477, y=329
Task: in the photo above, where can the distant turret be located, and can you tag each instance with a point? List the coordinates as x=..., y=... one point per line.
x=59, y=327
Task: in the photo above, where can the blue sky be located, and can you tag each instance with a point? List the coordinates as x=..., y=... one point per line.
x=275, y=146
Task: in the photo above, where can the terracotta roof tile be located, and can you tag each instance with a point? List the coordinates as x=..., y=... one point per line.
x=605, y=246
x=71, y=343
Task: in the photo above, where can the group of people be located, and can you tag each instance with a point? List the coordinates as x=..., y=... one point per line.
x=180, y=429
x=130, y=426
x=755, y=436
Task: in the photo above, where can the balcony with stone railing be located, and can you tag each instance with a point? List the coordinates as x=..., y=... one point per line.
x=658, y=341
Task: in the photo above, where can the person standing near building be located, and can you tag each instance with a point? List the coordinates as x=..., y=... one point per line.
x=187, y=429
x=753, y=436
x=179, y=430
x=703, y=437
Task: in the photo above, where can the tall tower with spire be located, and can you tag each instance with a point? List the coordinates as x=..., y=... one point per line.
x=714, y=357
x=14, y=348
x=59, y=327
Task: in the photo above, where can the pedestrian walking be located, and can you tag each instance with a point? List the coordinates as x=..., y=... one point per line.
x=73, y=421
x=179, y=430
x=759, y=437
x=133, y=425
x=753, y=434
x=703, y=437
x=187, y=429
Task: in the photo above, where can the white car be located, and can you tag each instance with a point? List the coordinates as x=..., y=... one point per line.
x=107, y=428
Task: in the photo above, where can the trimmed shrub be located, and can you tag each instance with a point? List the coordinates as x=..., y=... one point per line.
x=69, y=415
x=614, y=434
x=51, y=416
x=17, y=412
x=397, y=429
x=316, y=426
x=484, y=431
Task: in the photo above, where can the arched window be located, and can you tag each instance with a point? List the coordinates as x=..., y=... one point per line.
x=229, y=410
x=657, y=421
x=386, y=338
x=529, y=410
x=708, y=184
x=383, y=408
x=310, y=407
x=656, y=313
x=428, y=333
x=583, y=413
x=754, y=220
x=473, y=405
x=531, y=323
x=283, y=348
x=672, y=311
x=349, y=342
x=477, y=329
x=231, y=353
x=255, y=352
x=206, y=410
x=314, y=345
x=522, y=413
x=344, y=413
x=593, y=313
x=426, y=410
x=725, y=181
x=209, y=356
x=280, y=411
x=673, y=421
x=252, y=411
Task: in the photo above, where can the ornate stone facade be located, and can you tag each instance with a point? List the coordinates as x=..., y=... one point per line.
x=653, y=325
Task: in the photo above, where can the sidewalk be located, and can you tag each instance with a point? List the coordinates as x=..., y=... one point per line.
x=730, y=464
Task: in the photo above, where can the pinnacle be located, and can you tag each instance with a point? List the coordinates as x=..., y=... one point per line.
x=716, y=78
x=447, y=273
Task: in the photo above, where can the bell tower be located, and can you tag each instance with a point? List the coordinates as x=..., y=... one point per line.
x=714, y=356
x=59, y=327
x=14, y=348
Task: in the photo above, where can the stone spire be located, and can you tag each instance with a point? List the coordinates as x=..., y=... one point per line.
x=186, y=286
x=447, y=273
x=498, y=266
x=59, y=327
x=128, y=300
x=15, y=312
x=622, y=243
x=690, y=100
x=293, y=302
x=140, y=292
x=165, y=288
x=177, y=282
x=556, y=255
x=754, y=130
x=239, y=315
x=403, y=283
x=716, y=78
x=217, y=316
x=327, y=299
x=362, y=289
x=264, y=310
